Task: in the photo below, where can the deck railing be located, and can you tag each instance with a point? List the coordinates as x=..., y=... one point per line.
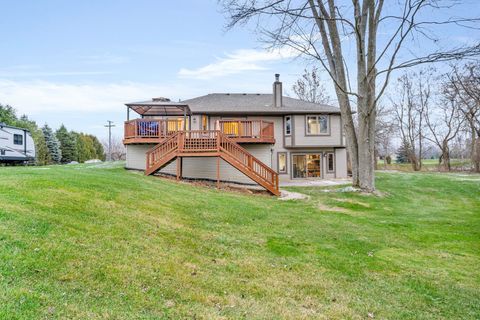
x=247, y=130
x=152, y=128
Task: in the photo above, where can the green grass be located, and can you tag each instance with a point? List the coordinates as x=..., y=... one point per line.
x=427, y=165
x=93, y=242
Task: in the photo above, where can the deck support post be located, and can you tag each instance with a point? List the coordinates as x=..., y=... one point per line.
x=179, y=167
x=218, y=172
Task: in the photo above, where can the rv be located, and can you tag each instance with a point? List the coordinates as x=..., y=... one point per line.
x=16, y=145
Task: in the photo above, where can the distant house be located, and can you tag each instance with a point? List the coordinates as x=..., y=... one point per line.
x=237, y=137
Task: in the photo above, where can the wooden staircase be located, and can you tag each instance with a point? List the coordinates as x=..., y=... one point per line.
x=211, y=143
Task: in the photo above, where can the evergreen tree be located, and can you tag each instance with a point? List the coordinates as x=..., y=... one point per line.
x=53, y=144
x=97, y=145
x=88, y=147
x=403, y=152
x=67, y=144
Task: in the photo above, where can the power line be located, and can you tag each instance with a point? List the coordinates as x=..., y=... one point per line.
x=109, y=126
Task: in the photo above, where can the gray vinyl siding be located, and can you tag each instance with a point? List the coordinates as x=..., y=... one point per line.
x=341, y=163
x=201, y=167
x=301, y=139
x=206, y=167
x=136, y=156
x=297, y=143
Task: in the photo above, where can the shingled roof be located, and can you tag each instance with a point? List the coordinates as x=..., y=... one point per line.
x=253, y=103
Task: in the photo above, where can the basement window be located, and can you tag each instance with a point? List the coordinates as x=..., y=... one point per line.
x=18, y=139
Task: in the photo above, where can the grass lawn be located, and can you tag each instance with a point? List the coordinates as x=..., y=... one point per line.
x=427, y=165
x=99, y=242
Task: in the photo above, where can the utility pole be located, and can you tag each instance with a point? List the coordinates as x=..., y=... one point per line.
x=109, y=126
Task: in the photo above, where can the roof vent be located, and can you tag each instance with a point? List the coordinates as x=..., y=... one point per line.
x=160, y=99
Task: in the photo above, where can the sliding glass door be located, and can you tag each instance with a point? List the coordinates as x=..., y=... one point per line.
x=306, y=165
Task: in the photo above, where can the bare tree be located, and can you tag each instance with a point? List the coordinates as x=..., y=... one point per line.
x=464, y=83
x=117, y=147
x=444, y=123
x=310, y=88
x=320, y=29
x=410, y=103
x=385, y=129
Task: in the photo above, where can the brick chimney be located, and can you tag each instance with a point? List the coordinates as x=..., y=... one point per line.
x=277, y=92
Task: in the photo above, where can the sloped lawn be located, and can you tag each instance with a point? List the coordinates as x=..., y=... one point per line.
x=99, y=242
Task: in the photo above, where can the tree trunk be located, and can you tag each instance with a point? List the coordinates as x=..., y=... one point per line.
x=445, y=158
x=350, y=134
x=366, y=144
x=476, y=155
x=475, y=150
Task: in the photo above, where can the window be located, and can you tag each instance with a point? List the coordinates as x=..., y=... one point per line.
x=231, y=127
x=177, y=124
x=282, y=162
x=2, y=152
x=317, y=125
x=288, y=125
x=18, y=139
x=306, y=166
x=330, y=162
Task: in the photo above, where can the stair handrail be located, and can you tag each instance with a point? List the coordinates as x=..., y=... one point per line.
x=256, y=166
x=162, y=149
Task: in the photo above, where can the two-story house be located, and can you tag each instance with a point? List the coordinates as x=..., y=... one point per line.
x=237, y=137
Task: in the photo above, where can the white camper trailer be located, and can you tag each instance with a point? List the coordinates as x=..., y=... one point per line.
x=16, y=145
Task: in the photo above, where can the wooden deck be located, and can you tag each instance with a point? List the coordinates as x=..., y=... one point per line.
x=157, y=130
x=210, y=143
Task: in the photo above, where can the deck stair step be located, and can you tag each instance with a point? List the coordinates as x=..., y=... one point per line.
x=209, y=143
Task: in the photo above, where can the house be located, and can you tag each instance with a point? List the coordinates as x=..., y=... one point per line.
x=237, y=137
x=16, y=145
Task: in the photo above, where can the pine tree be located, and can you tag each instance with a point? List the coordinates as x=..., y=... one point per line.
x=53, y=144
x=67, y=144
x=403, y=153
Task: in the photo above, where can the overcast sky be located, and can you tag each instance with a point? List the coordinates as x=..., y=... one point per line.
x=78, y=62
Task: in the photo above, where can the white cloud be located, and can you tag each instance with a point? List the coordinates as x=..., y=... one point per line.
x=39, y=97
x=239, y=61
